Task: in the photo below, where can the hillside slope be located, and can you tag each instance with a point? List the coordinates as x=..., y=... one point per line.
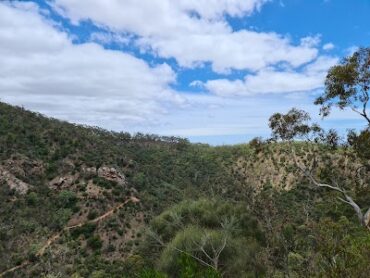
x=55, y=175
x=83, y=201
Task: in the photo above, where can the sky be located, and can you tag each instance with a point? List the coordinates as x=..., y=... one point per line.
x=212, y=71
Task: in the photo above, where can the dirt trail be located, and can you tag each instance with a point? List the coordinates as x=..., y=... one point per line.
x=15, y=268
x=56, y=236
x=48, y=243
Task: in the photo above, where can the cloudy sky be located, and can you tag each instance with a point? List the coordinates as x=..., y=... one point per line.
x=209, y=70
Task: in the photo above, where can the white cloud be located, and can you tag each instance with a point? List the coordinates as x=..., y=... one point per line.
x=235, y=50
x=210, y=115
x=131, y=13
x=108, y=38
x=270, y=80
x=311, y=41
x=328, y=46
x=193, y=31
x=350, y=50
x=41, y=69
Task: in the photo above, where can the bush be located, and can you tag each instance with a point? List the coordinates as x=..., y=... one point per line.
x=32, y=198
x=86, y=230
x=92, y=214
x=95, y=242
x=67, y=199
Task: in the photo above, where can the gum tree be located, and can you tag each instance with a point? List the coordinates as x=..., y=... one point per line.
x=347, y=85
x=295, y=125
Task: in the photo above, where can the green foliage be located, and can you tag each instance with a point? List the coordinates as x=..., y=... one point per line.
x=99, y=274
x=32, y=253
x=361, y=144
x=94, y=242
x=347, y=84
x=92, y=214
x=67, y=199
x=269, y=232
x=61, y=217
x=104, y=183
x=86, y=230
x=151, y=273
x=189, y=268
x=340, y=253
x=32, y=198
x=292, y=125
x=198, y=228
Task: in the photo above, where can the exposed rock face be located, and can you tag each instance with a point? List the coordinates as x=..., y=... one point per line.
x=67, y=165
x=89, y=172
x=63, y=181
x=22, y=166
x=112, y=174
x=13, y=182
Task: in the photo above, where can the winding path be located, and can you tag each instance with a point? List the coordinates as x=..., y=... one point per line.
x=56, y=236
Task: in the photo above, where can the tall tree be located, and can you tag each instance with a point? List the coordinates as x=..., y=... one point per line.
x=347, y=85
x=295, y=124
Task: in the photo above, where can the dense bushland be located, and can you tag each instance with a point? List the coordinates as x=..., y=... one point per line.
x=203, y=211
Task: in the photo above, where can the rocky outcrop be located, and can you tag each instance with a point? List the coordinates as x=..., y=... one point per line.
x=22, y=166
x=63, y=181
x=13, y=182
x=112, y=174
x=67, y=165
x=88, y=172
x=108, y=173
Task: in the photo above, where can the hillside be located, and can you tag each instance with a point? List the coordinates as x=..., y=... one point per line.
x=80, y=201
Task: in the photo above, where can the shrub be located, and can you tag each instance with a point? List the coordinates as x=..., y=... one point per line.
x=86, y=230
x=67, y=199
x=95, y=242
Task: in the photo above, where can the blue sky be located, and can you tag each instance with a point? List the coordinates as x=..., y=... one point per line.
x=209, y=70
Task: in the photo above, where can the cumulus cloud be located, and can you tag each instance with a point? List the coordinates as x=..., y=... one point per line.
x=235, y=50
x=328, y=46
x=193, y=31
x=129, y=14
x=42, y=69
x=108, y=38
x=269, y=80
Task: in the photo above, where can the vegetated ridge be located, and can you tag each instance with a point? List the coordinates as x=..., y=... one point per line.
x=80, y=201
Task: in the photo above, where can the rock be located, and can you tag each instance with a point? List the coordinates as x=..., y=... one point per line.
x=67, y=165
x=112, y=174
x=22, y=166
x=89, y=172
x=13, y=182
x=63, y=181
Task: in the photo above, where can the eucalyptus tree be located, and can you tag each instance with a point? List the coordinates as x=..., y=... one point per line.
x=347, y=85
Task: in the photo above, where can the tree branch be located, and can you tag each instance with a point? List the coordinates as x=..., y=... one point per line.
x=366, y=100
x=158, y=239
x=363, y=113
x=364, y=220
x=367, y=219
